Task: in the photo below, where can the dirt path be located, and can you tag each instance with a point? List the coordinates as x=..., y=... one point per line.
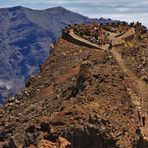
x=141, y=87
x=140, y=99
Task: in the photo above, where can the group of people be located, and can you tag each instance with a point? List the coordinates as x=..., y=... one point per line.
x=141, y=117
x=93, y=33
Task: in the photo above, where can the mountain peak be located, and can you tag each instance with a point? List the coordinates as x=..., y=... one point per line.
x=15, y=8
x=56, y=8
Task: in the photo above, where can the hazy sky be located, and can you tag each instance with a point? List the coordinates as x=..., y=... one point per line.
x=128, y=10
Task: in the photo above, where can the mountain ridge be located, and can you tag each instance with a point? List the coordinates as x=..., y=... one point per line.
x=89, y=97
x=26, y=36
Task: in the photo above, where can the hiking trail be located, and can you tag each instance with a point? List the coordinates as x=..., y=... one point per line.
x=139, y=85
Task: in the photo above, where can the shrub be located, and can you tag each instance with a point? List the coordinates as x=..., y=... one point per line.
x=30, y=108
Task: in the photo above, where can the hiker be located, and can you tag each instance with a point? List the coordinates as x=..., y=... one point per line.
x=143, y=120
x=110, y=46
x=139, y=115
x=122, y=54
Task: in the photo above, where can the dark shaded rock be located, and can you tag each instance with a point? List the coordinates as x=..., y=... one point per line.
x=1, y=136
x=12, y=144
x=45, y=127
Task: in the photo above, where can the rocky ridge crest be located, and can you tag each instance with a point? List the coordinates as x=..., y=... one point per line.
x=86, y=97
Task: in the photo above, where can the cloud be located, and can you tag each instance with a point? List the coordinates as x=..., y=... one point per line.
x=5, y=84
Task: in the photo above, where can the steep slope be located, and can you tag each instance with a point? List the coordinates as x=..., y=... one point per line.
x=25, y=38
x=84, y=97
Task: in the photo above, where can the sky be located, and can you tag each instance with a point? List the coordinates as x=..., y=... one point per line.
x=127, y=10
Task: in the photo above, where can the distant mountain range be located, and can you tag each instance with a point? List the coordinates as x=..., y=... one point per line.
x=25, y=39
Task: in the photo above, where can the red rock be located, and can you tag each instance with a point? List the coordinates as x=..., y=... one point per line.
x=63, y=143
x=46, y=144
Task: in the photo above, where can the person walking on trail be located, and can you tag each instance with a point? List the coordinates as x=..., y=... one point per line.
x=122, y=54
x=143, y=120
x=139, y=115
x=110, y=46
